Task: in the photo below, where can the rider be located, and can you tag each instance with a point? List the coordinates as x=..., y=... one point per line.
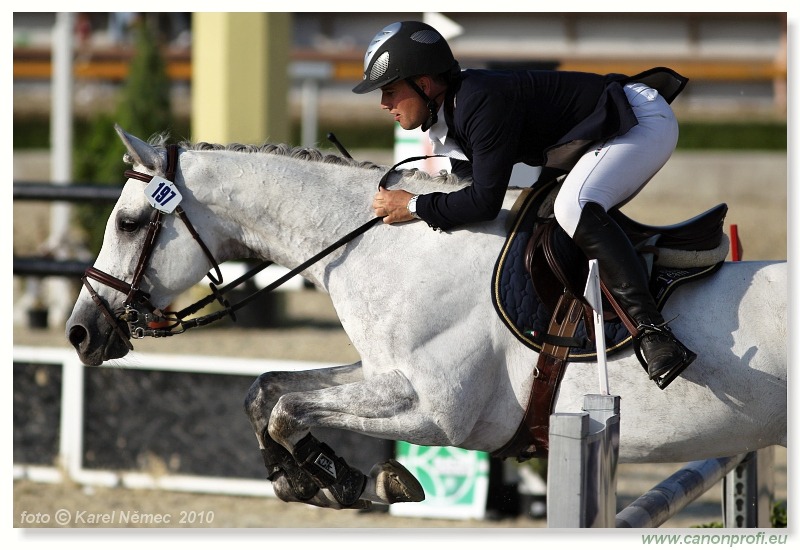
x=609, y=133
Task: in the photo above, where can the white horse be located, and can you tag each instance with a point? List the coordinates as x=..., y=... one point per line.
x=438, y=367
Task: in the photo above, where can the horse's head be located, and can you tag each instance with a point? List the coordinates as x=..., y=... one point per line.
x=148, y=257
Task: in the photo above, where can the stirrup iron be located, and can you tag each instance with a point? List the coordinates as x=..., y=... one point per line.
x=688, y=356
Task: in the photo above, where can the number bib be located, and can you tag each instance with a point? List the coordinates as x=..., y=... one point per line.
x=162, y=194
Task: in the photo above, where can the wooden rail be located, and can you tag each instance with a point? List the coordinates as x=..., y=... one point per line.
x=706, y=69
x=113, y=65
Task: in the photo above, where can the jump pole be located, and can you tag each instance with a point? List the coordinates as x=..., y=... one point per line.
x=674, y=493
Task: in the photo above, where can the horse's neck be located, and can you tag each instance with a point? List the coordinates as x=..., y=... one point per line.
x=280, y=208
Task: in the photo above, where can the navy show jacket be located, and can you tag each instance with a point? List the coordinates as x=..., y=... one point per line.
x=540, y=118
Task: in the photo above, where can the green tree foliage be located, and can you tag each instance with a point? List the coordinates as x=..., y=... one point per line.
x=778, y=517
x=143, y=110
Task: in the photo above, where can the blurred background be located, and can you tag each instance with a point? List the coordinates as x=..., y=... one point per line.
x=287, y=77
x=736, y=62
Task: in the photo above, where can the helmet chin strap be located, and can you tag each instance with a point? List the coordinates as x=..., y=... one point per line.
x=429, y=103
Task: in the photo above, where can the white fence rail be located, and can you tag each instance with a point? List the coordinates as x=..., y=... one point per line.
x=70, y=447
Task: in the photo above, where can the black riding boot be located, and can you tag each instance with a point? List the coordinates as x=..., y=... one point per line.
x=600, y=238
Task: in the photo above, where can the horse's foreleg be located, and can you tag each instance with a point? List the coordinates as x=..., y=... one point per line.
x=290, y=482
x=383, y=406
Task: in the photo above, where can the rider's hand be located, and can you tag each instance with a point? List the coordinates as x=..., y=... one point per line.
x=393, y=205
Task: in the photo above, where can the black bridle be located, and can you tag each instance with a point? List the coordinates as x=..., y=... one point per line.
x=143, y=318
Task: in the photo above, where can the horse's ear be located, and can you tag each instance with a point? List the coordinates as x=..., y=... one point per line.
x=141, y=152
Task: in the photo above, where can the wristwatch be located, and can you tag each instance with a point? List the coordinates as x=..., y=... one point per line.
x=412, y=206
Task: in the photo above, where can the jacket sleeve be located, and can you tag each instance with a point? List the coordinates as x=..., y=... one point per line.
x=491, y=127
x=461, y=168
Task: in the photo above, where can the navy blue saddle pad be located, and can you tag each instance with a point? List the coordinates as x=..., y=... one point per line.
x=519, y=307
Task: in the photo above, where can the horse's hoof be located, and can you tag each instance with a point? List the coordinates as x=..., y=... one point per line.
x=326, y=499
x=394, y=483
x=361, y=504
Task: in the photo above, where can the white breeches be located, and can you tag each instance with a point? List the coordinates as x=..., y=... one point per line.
x=612, y=172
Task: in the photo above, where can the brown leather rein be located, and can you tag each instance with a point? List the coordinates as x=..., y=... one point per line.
x=157, y=323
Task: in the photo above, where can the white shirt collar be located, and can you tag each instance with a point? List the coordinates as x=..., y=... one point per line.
x=443, y=145
x=438, y=132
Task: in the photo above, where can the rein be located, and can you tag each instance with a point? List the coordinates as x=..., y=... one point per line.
x=146, y=323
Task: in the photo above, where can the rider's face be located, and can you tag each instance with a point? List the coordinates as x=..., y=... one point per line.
x=406, y=105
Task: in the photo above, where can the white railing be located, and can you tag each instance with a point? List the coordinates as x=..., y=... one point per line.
x=70, y=448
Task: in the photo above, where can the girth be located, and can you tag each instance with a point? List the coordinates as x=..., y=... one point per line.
x=532, y=438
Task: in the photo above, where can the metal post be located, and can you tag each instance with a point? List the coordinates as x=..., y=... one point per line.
x=310, y=112
x=59, y=290
x=582, y=463
x=62, y=83
x=604, y=452
x=61, y=125
x=565, y=469
x=748, y=491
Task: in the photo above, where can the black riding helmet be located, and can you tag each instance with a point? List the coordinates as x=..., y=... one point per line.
x=403, y=50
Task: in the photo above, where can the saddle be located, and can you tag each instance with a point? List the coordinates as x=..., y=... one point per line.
x=538, y=287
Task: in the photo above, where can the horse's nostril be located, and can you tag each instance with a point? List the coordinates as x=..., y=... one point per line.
x=77, y=335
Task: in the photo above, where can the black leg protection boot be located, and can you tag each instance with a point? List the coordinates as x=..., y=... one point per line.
x=330, y=471
x=601, y=239
x=277, y=460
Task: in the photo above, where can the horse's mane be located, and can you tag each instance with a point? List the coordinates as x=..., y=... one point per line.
x=304, y=153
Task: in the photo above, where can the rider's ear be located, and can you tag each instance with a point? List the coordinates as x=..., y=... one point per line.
x=425, y=83
x=428, y=85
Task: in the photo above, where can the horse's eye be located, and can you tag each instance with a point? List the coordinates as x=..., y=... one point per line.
x=127, y=225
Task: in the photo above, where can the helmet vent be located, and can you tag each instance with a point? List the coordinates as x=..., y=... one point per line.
x=379, y=67
x=426, y=36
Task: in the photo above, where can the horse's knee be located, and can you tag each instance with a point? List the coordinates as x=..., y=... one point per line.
x=257, y=402
x=285, y=425
x=253, y=399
